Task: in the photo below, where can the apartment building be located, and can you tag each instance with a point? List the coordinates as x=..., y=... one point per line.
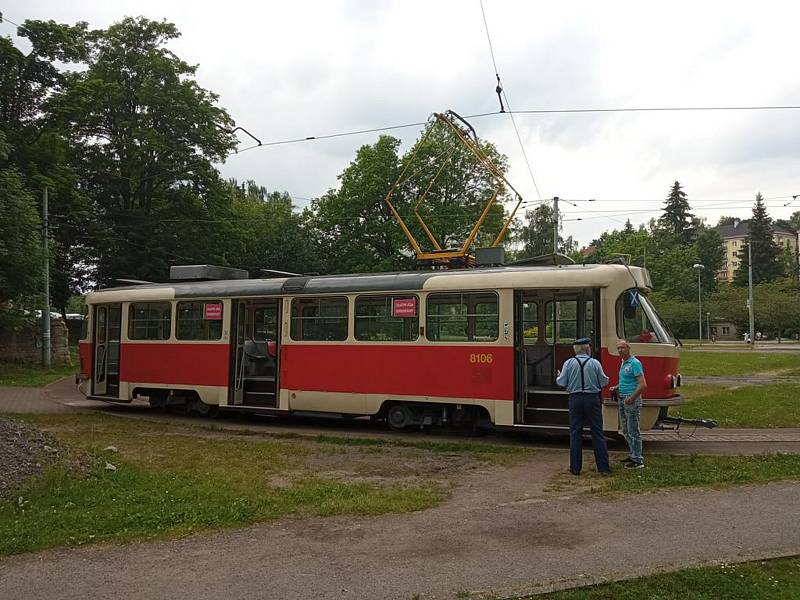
x=733, y=237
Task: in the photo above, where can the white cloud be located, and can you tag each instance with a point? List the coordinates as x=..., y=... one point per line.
x=287, y=70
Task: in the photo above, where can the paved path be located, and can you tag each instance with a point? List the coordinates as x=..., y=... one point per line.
x=501, y=533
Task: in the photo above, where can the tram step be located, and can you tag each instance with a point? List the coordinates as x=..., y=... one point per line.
x=546, y=416
x=545, y=401
x=260, y=384
x=259, y=399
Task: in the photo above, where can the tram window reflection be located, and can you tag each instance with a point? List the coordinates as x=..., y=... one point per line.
x=319, y=319
x=636, y=320
x=375, y=321
x=471, y=317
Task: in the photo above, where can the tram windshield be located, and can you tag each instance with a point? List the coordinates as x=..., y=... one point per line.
x=637, y=320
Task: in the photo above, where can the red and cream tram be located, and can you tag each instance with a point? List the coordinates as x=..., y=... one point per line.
x=473, y=346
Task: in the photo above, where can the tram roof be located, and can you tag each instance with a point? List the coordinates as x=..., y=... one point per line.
x=561, y=276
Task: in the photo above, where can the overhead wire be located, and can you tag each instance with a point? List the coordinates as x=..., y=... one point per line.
x=501, y=90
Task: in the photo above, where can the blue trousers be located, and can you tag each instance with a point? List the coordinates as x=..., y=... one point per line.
x=586, y=408
x=629, y=417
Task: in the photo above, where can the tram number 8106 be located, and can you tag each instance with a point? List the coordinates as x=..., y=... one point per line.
x=481, y=358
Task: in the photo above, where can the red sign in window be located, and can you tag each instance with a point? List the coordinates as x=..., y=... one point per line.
x=404, y=307
x=212, y=312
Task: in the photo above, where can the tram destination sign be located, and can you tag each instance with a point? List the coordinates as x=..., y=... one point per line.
x=212, y=312
x=404, y=307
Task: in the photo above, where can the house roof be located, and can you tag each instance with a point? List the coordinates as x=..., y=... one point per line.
x=743, y=228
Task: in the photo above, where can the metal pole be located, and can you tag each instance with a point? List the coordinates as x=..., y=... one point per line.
x=555, y=225
x=699, y=308
x=46, y=310
x=708, y=326
x=750, y=292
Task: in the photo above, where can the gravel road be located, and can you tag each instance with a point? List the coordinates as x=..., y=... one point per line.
x=505, y=535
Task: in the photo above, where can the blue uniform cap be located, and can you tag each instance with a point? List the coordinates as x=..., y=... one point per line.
x=583, y=340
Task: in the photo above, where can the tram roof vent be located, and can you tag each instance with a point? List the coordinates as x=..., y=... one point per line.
x=487, y=257
x=205, y=273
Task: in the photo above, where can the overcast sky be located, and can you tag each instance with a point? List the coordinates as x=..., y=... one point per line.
x=296, y=69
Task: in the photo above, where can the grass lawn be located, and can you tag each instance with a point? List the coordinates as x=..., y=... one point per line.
x=173, y=480
x=665, y=471
x=775, y=405
x=697, y=362
x=12, y=375
x=757, y=580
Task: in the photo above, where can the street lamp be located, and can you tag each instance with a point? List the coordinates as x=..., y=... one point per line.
x=708, y=326
x=699, y=268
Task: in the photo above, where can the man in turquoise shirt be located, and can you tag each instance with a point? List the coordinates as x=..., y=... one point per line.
x=631, y=386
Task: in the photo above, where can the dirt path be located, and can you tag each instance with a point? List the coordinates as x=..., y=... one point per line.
x=500, y=532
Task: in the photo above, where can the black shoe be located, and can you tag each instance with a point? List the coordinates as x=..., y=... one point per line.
x=605, y=472
x=634, y=465
x=574, y=472
x=625, y=461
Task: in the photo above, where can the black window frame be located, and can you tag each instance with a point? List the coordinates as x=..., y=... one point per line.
x=200, y=307
x=408, y=325
x=159, y=322
x=297, y=321
x=471, y=320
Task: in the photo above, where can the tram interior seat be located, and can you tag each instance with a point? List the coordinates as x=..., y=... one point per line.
x=260, y=358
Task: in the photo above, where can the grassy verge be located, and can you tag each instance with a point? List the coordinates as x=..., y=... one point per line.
x=12, y=375
x=172, y=480
x=697, y=362
x=757, y=580
x=665, y=472
x=774, y=405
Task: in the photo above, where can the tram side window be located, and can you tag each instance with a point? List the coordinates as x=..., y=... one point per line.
x=149, y=321
x=471, y=317
x=265, y=323
x=634, y=324
x=319, y=319
x=199, y=321
x=375, y=320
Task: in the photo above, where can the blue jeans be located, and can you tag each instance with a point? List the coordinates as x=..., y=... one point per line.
x=629, y=417
x=586, y=408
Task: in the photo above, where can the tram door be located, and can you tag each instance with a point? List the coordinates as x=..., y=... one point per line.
x=255, y=353
x=547, y=323
x=107, y=327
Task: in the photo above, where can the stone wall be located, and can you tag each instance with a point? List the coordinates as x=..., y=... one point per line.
x=25, y=345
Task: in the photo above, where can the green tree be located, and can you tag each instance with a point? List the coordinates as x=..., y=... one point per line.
x=676, y=219
x=355, y=227
x=726, y=220
x=536, y=233
x=20, y=246
x=711, y=254
x=41, y=153
x=145, y=136
x=766, y=254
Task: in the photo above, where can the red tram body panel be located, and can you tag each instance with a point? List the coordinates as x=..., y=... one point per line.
x=425, y=347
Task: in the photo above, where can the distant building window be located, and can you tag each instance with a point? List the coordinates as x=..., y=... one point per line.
x=734, y=243
x=726, y=330
x=149, y=321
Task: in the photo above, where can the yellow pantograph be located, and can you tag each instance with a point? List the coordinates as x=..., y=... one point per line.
x=465, y=135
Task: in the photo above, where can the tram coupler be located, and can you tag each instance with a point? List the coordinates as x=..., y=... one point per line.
x=678, y=421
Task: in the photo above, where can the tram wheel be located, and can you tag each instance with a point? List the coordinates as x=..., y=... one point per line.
x=399, y=417
x=199, y=407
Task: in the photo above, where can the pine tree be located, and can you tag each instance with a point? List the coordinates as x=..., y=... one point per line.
x=629, y=226
x=677, y=219
x=766, y=254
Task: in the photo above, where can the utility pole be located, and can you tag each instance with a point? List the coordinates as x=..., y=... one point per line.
x=750, y=291
x=46, y=310
x=555, y=225
x=699, y=268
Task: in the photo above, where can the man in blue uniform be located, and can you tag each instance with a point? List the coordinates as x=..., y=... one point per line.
x=583, y=377
x=631, y=386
